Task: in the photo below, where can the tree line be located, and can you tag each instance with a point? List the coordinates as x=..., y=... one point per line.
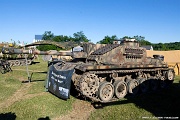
x=81, y=37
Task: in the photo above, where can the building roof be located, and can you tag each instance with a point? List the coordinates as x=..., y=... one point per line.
x=38, y=37
x=148, y=47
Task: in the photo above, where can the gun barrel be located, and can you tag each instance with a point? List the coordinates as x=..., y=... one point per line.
x=36, y=52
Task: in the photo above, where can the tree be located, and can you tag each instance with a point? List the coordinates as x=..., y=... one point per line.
x=142, y=40
x=80, y=37
x=108, y=40
x=48, y=35
x=139, y=38
x=126, y=37
x=61, y=38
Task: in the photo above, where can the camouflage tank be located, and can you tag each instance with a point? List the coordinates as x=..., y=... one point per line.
x=15, y=59
x=108, y=72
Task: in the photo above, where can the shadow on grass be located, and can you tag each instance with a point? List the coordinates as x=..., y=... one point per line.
x=46, y=118
x=7, y=116
x=29, y=79
x=35, y=62
x=26, y=81
x=163, y=103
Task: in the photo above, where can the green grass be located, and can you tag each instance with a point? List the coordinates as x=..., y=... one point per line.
x=119, y=111
x=8, y=85
x=42, y=105
x=164, y=103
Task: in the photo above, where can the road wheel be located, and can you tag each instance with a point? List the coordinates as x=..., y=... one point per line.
x=106, y=91
x=17, y=63
x=29, y=62
x=120, y=89
x=133, y=87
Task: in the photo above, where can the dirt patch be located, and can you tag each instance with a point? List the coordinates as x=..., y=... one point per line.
x=28, y=96
x=81, y=111
x=16, y=96
x=20, y=94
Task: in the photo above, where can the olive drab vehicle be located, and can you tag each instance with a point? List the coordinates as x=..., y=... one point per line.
x=107, y=72
x=15, y=59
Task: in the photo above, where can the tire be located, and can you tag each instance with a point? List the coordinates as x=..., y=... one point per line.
x=133, y=87
x=106, y=91
x=120, y=89
x=17, y=63
x=170, y=75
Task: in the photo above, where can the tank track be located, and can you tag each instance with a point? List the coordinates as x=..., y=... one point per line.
x=105, y=49
x=126, y=71
x=95, y=98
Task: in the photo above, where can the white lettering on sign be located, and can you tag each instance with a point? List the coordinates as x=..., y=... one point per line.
x=58, y=76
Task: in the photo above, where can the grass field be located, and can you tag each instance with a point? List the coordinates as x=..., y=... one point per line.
x=21, y=100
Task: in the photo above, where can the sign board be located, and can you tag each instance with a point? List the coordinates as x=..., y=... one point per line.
x=59, y=82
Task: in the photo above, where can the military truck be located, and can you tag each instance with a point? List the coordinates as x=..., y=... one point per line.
x=106, y=72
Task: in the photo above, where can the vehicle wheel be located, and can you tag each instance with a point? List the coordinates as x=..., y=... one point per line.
x=29, y=62
x=144, y=85
x=89, y=84
x=170, y=75
x=17, y=63
x=106, y=91
x=120, y=89
x=133, y=87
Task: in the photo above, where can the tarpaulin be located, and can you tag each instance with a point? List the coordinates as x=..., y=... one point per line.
x=59, y=81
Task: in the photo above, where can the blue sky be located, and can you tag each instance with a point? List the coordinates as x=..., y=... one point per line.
x=156, y=20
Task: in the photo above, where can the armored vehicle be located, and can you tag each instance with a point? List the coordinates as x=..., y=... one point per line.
x=106, y=72
x=15, y=59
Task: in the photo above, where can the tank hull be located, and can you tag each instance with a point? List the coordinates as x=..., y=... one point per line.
x=107, y=84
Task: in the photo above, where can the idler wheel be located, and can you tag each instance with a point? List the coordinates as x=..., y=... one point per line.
x=170, y=75
x=106, y=91
x=154, y=83
x=133, y=87
x=144, y=85
x=120, y=89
